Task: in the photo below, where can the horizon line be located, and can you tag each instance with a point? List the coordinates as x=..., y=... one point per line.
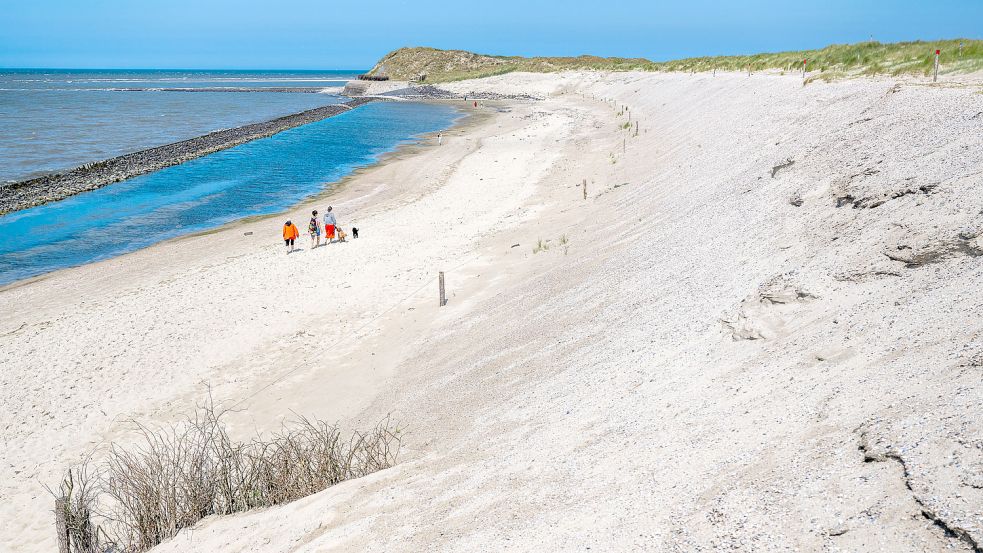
x=24, y=68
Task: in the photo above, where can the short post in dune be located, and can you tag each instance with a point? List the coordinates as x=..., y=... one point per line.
x=935, y=78
x=804, y=63
x=443, y=296
x=60, y=525
x=585, y=189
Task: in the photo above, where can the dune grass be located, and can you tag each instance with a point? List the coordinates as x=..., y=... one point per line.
x=863, y=58
x=835, y=61
x=143, y=494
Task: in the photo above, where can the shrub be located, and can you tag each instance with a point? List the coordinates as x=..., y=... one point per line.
x=139, y=496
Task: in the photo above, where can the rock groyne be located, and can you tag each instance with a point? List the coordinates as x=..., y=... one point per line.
x=430, y=92
x=56, y=186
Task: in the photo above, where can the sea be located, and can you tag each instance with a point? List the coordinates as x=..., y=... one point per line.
x=52, y=120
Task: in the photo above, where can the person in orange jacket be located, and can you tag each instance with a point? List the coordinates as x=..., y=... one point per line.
x=290, y=233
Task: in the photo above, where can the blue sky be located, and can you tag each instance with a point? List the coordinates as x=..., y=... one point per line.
x=307, y=34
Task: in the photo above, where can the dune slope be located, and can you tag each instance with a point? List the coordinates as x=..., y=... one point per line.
x=759, y=332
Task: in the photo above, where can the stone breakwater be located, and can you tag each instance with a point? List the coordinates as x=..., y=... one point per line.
x=430, y=92
x=409, y=91
x=57, y=186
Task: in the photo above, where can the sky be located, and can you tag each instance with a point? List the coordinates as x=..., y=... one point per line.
x=310, y=34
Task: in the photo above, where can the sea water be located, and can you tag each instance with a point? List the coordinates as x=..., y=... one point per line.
x=259, y=177
x=52, y=120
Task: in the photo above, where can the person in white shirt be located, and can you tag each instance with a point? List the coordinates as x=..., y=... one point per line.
x=329, y=225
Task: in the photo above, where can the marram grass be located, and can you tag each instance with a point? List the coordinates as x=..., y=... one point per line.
x=836, y=61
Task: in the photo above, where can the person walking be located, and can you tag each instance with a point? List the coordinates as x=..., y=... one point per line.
x=290, y=233
x=314, y=229
x=329, y=226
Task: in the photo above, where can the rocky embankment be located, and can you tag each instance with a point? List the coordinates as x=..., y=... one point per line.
x=406, y=90
x=430, y=92
x=57, y=186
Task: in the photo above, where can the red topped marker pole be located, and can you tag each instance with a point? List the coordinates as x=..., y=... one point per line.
x=804, y=62
x=935, y=79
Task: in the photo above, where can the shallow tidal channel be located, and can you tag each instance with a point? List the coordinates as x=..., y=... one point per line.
x=257, y=178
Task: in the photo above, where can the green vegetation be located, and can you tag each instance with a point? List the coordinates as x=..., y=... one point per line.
x=864, y=58
x=836, y=61
x=456, y=65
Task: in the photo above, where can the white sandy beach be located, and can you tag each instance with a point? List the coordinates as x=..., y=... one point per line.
x=710, y=354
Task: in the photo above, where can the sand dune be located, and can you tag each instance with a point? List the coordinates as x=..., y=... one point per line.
x=759, y=332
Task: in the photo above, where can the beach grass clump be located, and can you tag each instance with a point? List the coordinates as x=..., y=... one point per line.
x=544, y=245
x=140, y=495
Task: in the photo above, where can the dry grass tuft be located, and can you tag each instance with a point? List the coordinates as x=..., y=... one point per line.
x=142, y=495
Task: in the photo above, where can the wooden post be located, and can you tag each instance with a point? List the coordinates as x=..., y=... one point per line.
x=443, y=298
x=636, y=127
x=935, y=79
x=585, y=189
x=60, y=526
x=624, y=145
x=804, y=62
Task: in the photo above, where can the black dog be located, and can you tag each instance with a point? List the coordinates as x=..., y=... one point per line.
x=354, y=232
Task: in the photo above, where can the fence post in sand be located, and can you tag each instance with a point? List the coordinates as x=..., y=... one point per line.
x=60, y=526
x=585, y=189
x=443, y=298
x=636, y=127
x=935, y=78
x=804, y=62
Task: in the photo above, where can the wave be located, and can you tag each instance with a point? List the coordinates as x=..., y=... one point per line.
x=322, y=89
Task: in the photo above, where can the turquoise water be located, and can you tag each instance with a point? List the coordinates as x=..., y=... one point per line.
x=256, y=178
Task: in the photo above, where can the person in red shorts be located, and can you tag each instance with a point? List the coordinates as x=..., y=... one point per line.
x=329, y=225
